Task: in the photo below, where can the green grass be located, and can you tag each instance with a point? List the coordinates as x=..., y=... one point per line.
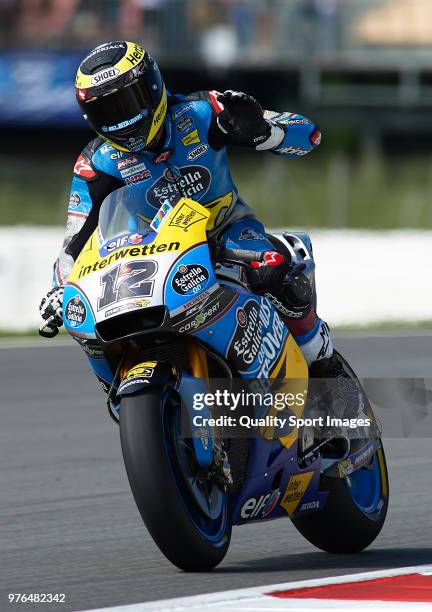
x=28, y=333
x=323, y=189
x=320, y=191
x=34, y=192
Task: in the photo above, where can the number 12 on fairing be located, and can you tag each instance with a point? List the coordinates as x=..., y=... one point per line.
x=127, y=281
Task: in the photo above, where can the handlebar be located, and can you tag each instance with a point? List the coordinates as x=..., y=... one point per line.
x=48, y=331
x=239, y=256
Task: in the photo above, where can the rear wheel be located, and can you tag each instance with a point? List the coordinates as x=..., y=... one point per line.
x=356, y=506
x=355, y=510
x=186, y=514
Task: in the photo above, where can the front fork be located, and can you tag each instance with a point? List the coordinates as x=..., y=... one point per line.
x=135, y=375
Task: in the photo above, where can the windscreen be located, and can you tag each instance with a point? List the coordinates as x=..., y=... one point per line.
x=121, y=213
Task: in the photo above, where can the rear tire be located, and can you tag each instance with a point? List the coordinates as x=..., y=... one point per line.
x=342, y=527
x=177, y=525
x=353, y=515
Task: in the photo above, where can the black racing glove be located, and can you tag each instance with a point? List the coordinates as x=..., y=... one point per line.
x=242, y=119
x=283, y=283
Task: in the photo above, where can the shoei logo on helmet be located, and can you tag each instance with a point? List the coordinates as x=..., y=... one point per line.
x=132, y=56
x=105, y=75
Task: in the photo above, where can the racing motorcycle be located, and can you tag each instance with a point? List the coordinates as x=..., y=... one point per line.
x=171, y=314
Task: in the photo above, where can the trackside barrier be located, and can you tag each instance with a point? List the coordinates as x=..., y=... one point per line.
x=362, y=277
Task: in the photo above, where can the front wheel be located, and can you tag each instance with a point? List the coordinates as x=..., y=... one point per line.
x=186, y=514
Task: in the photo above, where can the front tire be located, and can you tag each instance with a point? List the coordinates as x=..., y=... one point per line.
x=157, y=462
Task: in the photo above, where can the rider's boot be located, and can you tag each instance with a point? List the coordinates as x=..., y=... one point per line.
x=292, y=294
x=338, y=389
x=340, y=392
x=336, y=385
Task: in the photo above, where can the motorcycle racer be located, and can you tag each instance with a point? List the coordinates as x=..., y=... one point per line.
x=168, y=145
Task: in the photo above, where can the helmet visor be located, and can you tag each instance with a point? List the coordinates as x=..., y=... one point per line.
x=122, y=109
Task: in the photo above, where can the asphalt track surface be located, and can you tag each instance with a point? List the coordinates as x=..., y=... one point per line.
x=68, y=523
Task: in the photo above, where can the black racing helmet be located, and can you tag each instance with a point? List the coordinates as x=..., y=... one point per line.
x=122, y=95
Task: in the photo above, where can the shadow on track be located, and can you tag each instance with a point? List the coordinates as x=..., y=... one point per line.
x=366, y=561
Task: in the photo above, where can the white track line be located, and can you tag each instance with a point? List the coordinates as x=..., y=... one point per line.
x=28, y=343
x=270, y=604
x=256, y=599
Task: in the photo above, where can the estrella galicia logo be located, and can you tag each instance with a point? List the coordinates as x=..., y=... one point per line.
x=185, y=123
x=192, y=182
x=246, y=341
x=190, y=280
x=75, y=312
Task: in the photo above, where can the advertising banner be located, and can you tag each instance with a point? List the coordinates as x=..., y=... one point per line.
x=38, y=88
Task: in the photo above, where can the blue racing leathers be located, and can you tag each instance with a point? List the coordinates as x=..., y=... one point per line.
x=191, y=161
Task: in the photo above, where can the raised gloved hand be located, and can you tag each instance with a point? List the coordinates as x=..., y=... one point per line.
x=51, y=312
x=242, y=118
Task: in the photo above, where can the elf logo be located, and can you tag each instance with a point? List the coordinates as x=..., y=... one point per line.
x=253, y=506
